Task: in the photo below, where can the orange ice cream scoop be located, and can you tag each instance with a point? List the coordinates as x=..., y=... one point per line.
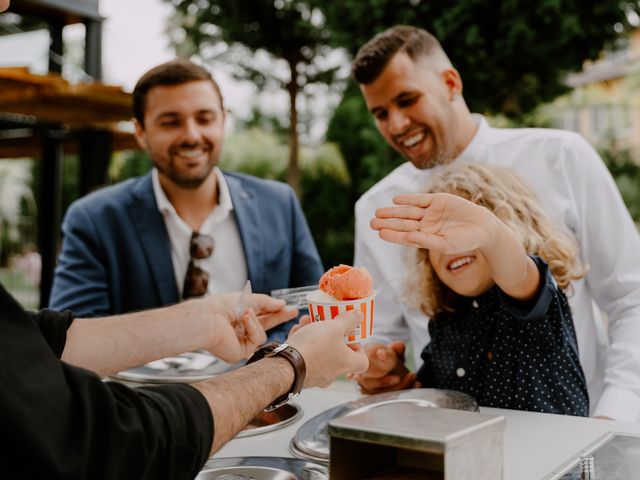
x=347, y=283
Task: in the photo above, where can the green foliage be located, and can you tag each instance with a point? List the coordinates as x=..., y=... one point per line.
x=626, y=173
x=256, y=152
x=264, y=121
x=325, y=182
x=283, y=28
x=128, y=164
x=17, y=204
x=366, y=154
x=327, y=204
x=512, y=55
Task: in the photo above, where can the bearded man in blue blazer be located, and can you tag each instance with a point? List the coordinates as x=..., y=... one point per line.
x=186, y=228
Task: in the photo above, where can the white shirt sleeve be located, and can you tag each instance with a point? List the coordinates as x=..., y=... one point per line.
x=389, y=322
x=611, y=248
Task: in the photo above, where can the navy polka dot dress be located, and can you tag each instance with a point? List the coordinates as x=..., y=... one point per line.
x=509, y=354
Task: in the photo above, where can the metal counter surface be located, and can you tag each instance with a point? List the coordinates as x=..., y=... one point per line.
x=535, y=444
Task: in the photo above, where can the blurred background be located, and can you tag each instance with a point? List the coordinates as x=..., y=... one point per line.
x=67, y=67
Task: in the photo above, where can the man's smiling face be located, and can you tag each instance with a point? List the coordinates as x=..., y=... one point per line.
x=412, y=107
x=183, y=131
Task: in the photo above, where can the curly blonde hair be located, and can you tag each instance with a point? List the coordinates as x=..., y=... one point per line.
x=505, y=194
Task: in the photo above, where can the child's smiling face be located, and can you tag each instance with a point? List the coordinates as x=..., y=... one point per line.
x=467, y=274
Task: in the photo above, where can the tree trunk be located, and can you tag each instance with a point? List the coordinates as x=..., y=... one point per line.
x=293, y=174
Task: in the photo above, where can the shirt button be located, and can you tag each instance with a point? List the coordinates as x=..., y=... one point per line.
x=460, y=372
x=474, y=304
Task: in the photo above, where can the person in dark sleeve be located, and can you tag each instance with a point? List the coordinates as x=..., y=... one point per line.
x=490, y=273
x=62, y=420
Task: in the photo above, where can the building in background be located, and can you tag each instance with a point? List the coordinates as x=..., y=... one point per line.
x=52, y=105
x=604, y=104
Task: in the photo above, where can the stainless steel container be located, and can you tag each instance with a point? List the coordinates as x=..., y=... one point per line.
x=273, y=420
x=311, y=441
x=262, y=468
x=405, y=441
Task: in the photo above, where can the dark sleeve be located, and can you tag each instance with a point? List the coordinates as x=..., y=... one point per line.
x=61, y=421
x=425, y=373
x=538, y=306
x=53, y=326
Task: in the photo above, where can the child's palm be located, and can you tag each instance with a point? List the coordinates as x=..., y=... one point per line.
x=442, y=222
x=449, y=225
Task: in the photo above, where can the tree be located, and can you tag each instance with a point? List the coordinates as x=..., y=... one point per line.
x=512, y=55
x=258, y=36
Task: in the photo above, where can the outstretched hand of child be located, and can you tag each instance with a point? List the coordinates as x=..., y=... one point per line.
x=439, y=221
x=387, y=371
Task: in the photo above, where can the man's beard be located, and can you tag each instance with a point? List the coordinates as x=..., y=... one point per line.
x=438, y=157
x=180, y=180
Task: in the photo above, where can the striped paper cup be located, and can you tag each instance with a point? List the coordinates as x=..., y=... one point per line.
x=320, y=311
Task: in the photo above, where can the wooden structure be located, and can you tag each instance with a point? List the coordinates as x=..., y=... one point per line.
x=44, y=117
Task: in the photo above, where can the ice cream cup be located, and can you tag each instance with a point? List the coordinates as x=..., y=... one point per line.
x=321, y=309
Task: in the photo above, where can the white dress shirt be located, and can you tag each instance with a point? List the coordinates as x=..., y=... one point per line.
x=226, y=266
x=575, y=187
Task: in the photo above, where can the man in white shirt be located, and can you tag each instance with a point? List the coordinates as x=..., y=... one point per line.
x=415, y=95
x=186, y=229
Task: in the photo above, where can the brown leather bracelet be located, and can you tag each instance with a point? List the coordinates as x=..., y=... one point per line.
x=295, y=359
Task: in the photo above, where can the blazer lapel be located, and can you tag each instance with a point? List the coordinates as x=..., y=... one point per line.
x=154, y=239
x=245, y=207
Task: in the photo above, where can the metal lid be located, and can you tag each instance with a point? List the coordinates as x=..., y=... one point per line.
x=184, y=368
x=273, y=420
x=312, y=438
x=262, y=468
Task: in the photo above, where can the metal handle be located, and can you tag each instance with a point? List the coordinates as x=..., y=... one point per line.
x=587, y=468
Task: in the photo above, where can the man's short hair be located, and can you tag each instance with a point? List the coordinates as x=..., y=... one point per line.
x=374, y=55
x=175, y=72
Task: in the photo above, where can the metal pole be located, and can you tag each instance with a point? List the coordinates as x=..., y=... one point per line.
x=93, y=48
x=49, y=210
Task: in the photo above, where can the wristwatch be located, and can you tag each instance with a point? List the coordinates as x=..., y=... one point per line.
x=295, y=359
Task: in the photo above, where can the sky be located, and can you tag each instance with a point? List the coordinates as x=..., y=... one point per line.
x=134, y=41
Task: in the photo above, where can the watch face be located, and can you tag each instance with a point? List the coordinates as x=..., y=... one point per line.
x=280, y=348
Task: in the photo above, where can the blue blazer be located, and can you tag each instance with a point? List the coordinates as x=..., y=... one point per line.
x=116, y=255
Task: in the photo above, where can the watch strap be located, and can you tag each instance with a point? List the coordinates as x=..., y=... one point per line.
x=294, y=358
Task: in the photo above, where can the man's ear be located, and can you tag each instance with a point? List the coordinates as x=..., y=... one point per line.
x=453, y=82
x=139, y=134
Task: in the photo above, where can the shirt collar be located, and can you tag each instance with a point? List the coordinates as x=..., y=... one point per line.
x=224, y=196
x=164, y=205
x=478, y=144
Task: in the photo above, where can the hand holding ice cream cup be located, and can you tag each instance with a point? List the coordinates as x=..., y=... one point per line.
x=344, y=288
